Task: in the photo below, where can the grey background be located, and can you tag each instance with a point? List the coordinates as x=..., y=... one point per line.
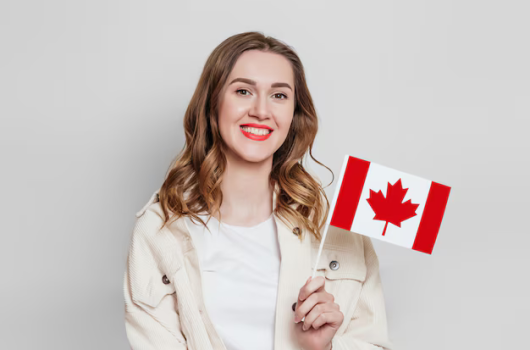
x=93, y=94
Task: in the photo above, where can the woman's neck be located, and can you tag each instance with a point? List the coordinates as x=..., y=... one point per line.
x=247, y=192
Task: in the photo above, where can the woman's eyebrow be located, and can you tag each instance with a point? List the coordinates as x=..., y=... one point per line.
x=252, y=82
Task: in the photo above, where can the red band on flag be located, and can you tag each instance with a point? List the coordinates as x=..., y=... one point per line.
x=350, y=193
x=431, y=218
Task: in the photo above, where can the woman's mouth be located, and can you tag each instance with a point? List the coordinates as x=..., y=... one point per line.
x=257, y=134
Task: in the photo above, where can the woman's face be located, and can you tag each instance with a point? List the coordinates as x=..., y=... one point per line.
x=258, y=96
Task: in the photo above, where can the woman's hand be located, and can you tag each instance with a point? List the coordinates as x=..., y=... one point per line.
x=322, y=316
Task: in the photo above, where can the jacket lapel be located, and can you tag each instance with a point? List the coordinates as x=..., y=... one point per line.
x=194, y=276
x=195, y=323
x=295, y=268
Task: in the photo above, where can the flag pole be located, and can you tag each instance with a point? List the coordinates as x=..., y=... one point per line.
x=321, y=245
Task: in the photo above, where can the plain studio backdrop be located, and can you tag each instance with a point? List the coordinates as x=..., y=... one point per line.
x=93, y=95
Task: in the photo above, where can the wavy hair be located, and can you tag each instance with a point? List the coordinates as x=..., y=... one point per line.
x=192, y=184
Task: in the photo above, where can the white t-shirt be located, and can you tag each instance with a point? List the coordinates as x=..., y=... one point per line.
x=240, y=268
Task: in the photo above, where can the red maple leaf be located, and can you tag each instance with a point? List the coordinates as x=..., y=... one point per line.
x=391, y=209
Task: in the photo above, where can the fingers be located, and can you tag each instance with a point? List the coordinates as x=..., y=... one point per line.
x=313, y=301
x=310, y=287
x=318, y=297
x=316, y=307
x=316, y=320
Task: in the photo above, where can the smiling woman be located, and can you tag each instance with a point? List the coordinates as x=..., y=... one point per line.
x=220, y=253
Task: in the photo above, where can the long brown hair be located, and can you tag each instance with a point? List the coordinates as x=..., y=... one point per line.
x=192, y=184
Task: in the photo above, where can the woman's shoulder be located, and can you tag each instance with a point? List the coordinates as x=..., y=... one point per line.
x=153, y=209
x=153, y=204
x=149, y=227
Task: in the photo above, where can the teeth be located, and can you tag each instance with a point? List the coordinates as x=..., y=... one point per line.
x=256, y=131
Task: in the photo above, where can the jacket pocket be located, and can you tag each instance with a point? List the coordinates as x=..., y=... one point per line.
x=340, y=262
x=152, y=319
x=151, y=277
x=154, y=291
x=152, y=266
x=344, y=268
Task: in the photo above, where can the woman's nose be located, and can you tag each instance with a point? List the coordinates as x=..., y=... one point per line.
x=261, y=108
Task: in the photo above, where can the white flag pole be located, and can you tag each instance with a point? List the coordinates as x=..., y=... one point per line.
x=332, y=208
x=320, y=248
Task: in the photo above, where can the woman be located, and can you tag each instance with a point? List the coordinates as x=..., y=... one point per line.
x=220, y=253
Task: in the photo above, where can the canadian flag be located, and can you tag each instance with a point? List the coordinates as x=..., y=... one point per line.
x=389, y=205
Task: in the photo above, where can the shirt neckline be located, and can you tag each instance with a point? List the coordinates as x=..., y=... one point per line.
x=234, y=227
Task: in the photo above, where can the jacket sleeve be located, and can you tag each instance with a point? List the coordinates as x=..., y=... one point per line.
x=151, y=318
x=367, y=329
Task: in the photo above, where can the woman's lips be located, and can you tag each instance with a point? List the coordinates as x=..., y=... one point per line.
x=255, y=137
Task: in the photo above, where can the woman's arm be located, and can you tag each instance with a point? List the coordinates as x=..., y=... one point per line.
x=367, y=329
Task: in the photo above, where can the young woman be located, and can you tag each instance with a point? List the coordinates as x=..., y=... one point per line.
x=220, y=255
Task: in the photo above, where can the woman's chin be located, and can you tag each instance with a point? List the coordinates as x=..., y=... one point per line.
x=255, y=158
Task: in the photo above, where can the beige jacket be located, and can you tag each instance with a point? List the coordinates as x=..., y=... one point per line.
x=164, y=306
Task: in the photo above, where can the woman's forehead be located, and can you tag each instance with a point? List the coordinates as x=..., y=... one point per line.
x=262, y=68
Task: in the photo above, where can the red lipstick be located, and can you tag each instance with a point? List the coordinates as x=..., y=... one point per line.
x=253, y=136
x=259, y=126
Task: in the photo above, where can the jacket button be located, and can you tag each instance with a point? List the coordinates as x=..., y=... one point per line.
x=296, y=231
x=334, y=265
x=294, y=306
x=165, y=280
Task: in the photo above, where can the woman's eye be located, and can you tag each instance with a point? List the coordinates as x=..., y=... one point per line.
x=242, y=90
